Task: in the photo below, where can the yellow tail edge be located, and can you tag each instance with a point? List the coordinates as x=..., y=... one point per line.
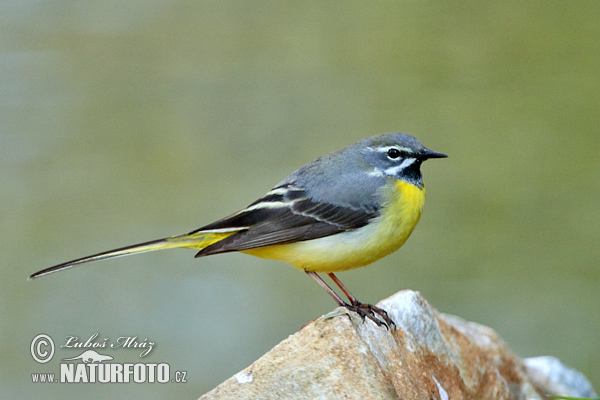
x=195, y=240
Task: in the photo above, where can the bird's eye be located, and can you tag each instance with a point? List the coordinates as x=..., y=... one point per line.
x=393, y=153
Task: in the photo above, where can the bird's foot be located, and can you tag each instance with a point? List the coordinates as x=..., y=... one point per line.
x=374, y=313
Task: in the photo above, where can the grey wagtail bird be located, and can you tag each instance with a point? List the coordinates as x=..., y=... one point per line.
x=341, y=211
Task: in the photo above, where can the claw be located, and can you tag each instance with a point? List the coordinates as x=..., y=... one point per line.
x=375, y=314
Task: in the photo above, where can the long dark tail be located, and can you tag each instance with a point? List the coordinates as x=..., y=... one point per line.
x=196, y=240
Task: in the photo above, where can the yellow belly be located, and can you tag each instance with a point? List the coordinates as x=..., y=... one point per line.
x=353, y=249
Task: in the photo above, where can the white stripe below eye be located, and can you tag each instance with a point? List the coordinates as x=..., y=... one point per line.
x=397, y=168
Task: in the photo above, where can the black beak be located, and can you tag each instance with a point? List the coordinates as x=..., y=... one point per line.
x=427, y=154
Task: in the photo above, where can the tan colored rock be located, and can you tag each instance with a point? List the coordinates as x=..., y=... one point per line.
x=429, y=356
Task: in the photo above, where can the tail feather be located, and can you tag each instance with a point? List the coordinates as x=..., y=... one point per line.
x=195, y=240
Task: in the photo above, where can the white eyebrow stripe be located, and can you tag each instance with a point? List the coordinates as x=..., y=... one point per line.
x=397, y=168
x=387, y=148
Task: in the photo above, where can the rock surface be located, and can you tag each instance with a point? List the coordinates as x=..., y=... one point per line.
x=430, y=356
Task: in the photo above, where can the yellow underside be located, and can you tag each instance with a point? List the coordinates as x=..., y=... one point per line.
x=360, y=247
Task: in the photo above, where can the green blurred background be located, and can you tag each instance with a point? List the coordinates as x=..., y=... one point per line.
x=125, y=121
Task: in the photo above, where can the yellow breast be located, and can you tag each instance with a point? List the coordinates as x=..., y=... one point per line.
x=352, y=249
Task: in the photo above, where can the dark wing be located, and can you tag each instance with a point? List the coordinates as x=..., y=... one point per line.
x=284, y=215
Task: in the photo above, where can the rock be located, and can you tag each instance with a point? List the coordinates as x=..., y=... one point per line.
x=555, y=377
x=430, y=356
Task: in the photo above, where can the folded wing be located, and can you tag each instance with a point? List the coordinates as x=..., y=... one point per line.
x=284, y=215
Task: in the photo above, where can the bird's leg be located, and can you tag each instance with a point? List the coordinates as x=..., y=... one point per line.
x=363, y=309
x=325, y=286
x=353, y=300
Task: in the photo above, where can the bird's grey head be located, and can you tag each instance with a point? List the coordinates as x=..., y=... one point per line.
x=397, y=155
